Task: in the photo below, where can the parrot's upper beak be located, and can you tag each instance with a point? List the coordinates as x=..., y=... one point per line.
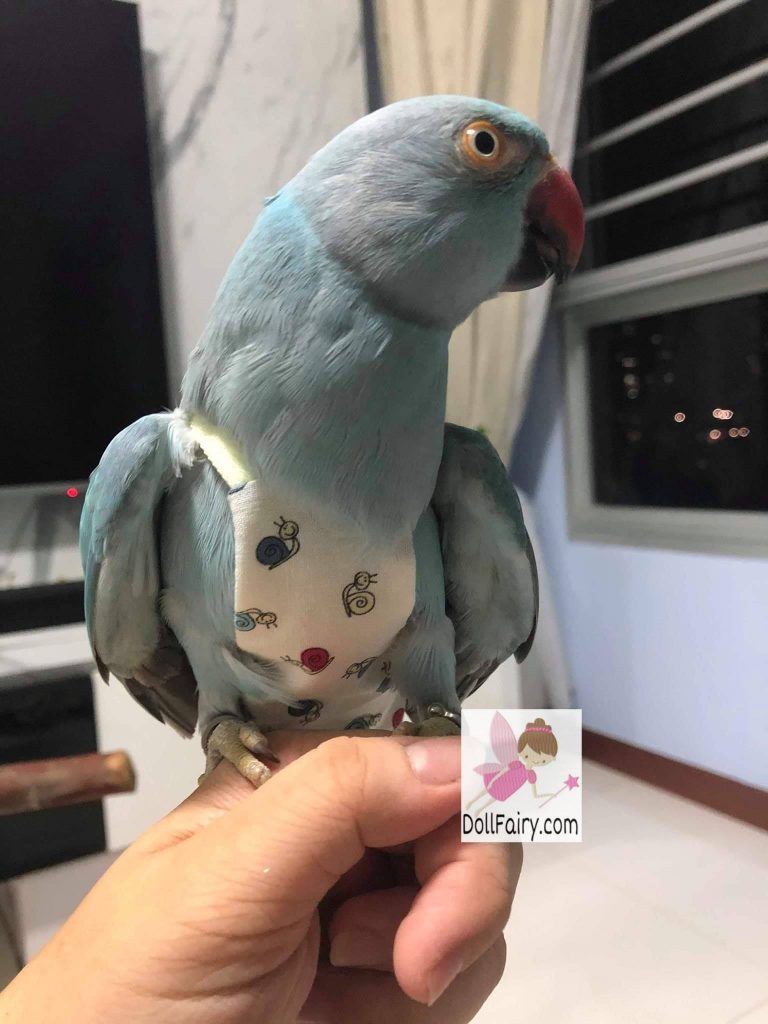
x=554, y=231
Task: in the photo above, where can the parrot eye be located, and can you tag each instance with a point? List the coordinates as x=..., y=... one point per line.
x=485, y=146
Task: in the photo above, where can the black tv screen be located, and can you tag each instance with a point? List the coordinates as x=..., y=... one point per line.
x=82, y=339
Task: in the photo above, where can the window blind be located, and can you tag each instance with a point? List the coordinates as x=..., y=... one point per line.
x=673, y=136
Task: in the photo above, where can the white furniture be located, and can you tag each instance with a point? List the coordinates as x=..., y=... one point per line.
x=167, y=768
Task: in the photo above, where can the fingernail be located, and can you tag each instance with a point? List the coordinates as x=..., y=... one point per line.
x=435, y=760
x=442, y=976
x=360, y=948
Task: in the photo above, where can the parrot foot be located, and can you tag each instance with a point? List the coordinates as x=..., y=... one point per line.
x=241, y=743
x=438, y=722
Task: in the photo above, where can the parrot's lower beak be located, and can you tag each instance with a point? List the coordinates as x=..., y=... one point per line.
x=554, y=231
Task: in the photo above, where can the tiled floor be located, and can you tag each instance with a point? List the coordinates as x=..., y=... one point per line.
x=659, y=916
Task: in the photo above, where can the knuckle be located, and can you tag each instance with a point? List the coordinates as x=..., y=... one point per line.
x=504, y=883
x=345, y=769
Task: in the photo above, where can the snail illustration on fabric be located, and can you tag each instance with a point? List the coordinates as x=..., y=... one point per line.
x=364, y=722
x=356, y=597
x=358, y=668
x=307, y=710
x=386, y=682
x=312, y=660
x=273, y=551
x=253, y=617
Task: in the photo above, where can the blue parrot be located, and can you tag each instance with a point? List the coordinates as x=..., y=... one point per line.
x=305, y=542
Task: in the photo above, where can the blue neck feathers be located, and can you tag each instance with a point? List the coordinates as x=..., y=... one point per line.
x=319, y=387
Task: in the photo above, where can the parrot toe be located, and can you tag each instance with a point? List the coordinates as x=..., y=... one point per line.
x=242, y=744
x=406, y=728
x=438, y=725
x=431, y=720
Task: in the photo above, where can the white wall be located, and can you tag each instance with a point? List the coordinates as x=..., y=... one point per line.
x=667, y=650
x=240, y=94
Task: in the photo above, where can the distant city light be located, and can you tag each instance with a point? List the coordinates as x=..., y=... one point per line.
x=714, y=435
x=632, y=393
x=629, y=361
x=743, y=431
x=679, y=417
x=722, y=414
x=733, y=432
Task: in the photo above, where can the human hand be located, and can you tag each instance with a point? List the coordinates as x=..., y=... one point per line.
x=227, y=910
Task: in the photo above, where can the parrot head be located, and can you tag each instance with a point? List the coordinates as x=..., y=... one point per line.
x=441, y=202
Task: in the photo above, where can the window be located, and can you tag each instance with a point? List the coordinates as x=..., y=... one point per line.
x=660, y=431
x=667, y=322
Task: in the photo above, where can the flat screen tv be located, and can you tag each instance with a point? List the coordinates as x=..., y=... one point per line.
x=81, y=348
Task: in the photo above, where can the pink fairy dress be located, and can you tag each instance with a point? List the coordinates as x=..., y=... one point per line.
x=502, y=782
x=503, y=778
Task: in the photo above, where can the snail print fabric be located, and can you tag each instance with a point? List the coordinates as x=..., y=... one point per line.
x=321, y=600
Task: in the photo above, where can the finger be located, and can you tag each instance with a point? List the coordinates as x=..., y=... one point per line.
x=464, y=903
x=345, y=995
x=286, y=844
x=224, y=788
x=362, y=931
x=373, y=871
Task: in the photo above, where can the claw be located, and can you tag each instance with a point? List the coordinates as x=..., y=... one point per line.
x=239, y=743
x=406, y=729
x=255, y=740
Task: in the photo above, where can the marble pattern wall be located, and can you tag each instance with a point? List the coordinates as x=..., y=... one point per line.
x=239, y=94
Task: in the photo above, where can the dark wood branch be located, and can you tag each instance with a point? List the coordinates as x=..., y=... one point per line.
x=59, y=781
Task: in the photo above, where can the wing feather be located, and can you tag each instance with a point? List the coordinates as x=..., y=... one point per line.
x=118, y=547
x=490, y=569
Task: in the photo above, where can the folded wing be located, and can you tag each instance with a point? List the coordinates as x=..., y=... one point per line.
x=490, y=570
x=119, y=551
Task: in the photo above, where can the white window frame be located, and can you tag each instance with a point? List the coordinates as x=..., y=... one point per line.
x=719, y=268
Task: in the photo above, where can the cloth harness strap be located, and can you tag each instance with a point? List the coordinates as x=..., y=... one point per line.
x=221, y=452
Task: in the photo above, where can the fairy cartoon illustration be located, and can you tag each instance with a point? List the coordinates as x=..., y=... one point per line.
x=518, y=759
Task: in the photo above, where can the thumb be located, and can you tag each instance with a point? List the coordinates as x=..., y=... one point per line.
x=291, y=840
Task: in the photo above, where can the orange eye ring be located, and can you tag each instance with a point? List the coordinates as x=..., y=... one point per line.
x=486, y=147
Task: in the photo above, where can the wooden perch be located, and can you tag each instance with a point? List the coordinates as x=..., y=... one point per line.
x=58, y=781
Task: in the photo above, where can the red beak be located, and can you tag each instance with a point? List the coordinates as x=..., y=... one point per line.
x=554, y=230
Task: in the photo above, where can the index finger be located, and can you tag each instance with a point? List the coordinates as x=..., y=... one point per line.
x=460, y=911
x=429, y=935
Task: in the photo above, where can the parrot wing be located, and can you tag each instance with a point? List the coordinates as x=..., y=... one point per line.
x=119, y=551
x=491, y=584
